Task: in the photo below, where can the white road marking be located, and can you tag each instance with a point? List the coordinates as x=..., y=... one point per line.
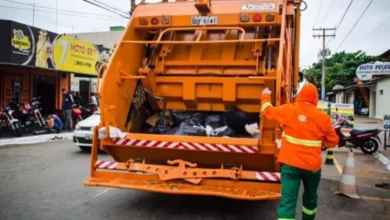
x=101, y=193
x=384, y=160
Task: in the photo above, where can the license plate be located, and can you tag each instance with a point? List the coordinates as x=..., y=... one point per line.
x=204, y=20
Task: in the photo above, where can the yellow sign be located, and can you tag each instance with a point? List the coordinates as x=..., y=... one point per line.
x=73, y=55
x=20, y=41
x=339, y=112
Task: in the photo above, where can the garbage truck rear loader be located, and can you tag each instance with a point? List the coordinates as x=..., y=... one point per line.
x=203, y=57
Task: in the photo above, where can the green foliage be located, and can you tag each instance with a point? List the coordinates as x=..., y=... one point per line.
x=340, y=68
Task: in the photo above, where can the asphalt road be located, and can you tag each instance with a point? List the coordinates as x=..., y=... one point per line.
x=45, y=181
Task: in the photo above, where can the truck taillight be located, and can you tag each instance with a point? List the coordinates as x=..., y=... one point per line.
x=270, y=17
x=257, y=17
x=244, y=18
x=155, y=21
x=165, y=20
x=143, y=21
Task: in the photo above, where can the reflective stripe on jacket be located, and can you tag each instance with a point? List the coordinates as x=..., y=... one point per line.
x=305, y=129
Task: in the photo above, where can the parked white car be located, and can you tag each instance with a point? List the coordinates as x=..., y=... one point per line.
x=83, y=132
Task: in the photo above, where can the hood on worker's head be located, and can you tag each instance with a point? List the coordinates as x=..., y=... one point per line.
x=308, y=93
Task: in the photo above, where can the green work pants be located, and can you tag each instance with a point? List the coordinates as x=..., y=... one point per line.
x=291, y=181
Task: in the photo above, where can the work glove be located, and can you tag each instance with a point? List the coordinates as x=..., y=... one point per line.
x=266, y=91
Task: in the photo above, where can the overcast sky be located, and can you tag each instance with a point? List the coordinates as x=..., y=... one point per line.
x=370, y=34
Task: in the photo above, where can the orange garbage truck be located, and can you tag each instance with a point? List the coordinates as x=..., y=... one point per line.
x=180, y=98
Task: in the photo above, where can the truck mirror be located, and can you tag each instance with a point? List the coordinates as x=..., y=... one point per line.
x=300, y=77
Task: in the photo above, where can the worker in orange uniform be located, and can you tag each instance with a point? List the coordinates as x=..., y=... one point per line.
x=305, y=129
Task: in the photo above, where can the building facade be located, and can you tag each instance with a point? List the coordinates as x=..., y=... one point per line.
x=379, y=103
x=35, y=62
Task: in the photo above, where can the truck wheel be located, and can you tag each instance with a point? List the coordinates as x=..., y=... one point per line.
x=370, y=146
x=17, y=130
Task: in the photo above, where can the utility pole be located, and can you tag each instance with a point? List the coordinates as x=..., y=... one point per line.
x=323, y=52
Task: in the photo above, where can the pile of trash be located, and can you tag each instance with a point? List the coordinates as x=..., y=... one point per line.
x=232, y=123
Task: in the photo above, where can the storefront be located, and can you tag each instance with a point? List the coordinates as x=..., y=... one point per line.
x=35, y=62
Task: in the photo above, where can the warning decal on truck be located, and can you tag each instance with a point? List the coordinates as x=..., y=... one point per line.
x=258, y=7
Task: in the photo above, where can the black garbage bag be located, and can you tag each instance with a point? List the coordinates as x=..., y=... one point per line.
x=180, y=116
x=161, y=127
x=237, y=119
x=215, y=121
x=187, y=129
x=227, y=132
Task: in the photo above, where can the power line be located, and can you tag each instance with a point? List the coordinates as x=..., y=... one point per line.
x=372, y=32
x=52, y=12
x=97, y=5
x=342, y=19
x=311, y=42
x=319, y=10
x=353, y=27
x=327, y=12
x=108, y=6
x=64, y=10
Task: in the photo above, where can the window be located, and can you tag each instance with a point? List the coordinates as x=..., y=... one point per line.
x=381, y=92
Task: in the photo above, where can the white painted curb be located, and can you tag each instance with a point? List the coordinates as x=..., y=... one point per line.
x=35, y=139
x=383, y=160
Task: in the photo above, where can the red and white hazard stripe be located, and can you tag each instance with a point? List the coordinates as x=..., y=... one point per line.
x=186, y=146
x=268, y=176
x=109, y=165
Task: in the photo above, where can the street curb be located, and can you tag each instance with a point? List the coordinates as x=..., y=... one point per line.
x=383, y=160
x=36, y=139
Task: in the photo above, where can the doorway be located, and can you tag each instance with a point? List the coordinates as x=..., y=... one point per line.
x=84, y=91
x=45, y=87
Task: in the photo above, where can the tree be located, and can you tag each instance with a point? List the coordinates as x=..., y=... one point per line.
x=340, y=69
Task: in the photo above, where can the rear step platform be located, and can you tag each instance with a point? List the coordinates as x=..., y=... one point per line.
x=221, y=188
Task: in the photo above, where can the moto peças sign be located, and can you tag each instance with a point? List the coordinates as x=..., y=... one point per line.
x=366, y=71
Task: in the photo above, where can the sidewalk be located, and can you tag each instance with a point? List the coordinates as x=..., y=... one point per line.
x=33, y=139
x=365, y=119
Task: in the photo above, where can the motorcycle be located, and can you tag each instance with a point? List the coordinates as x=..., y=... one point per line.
x=36, y=110
x=30, y=115
x=76, y=114
x=6, y=117
x=367, y=140
x=92, y=108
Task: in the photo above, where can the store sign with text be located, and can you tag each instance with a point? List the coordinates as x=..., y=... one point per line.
x=339, y=112
x=73, y=55
x=386, y=122
x=31, y=46
x=367, y=71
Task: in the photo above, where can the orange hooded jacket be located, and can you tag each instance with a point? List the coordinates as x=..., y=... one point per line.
x=306, y=129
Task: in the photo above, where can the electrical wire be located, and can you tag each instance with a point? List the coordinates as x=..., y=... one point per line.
x=52, y=12
x=97, y=5
x=327, y=12
x=353, y=27
x=342, y=19
x=108, y=6
x=372, y=32
x=311, y=42
x=319, y=10
x=63, y=10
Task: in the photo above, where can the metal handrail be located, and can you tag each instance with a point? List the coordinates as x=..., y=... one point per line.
x=202, y=42
x=241, y=40
x=201, y=28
